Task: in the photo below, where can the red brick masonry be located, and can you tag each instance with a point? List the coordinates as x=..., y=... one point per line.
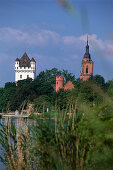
x=68, y=86
x=60, y=84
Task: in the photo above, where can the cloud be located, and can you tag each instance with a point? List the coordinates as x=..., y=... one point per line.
x=81, y=41
x=47, y=38
x=103, y=48
x=93, y=41
x=35, y=38
x=68, y=40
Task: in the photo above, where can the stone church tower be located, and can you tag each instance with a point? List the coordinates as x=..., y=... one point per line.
x=87, y=65
x=25, y=68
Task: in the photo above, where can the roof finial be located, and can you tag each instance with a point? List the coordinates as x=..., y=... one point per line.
x=87, y=39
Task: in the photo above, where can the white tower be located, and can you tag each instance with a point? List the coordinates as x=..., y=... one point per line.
x=25, y=68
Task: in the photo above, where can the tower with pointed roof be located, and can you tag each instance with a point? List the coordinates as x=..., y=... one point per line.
x=87, y=65
x=25, y=68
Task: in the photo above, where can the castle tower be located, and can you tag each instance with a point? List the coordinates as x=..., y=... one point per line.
x=59, y=82
x=87, y=65
x=25, y=68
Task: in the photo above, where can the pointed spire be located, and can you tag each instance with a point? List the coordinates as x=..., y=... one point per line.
x=87, y=54
x=87, y=46
x=87, y=39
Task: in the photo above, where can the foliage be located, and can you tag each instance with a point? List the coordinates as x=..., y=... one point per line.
x=10, y=84
x=77, y=135
x=12, y=96
x=80, y=139
x=50, y=75
x=42, y=103
x=109, y=88
x=98, y=79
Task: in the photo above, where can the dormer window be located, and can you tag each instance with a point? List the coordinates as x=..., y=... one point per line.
x=24, y=62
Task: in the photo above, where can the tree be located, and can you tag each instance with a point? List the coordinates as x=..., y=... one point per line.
x=42, y=103
x=10, y=84
x=68, y=76
x=109, y=88
x=50, y=75
x=99, y=80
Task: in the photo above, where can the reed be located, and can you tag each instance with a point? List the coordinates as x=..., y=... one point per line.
x=78, y=137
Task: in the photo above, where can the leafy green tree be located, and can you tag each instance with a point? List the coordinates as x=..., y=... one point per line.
x=42, y=87
x=23, y=92
x=10, y=84
x=50, y=75
x=68, y=76
x=98, y=79
x=5, y=97
x=109, y=88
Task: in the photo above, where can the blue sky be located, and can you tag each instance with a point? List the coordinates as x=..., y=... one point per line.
x=54, y=36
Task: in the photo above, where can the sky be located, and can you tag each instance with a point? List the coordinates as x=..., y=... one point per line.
x=54, y=32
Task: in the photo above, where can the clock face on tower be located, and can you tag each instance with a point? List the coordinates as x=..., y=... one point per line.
x=24, y=62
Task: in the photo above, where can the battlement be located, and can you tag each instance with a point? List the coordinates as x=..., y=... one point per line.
x=59, y=82
x=25, y=68
x=59, y=78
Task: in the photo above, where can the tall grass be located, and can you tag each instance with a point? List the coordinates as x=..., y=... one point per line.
x=79, y=137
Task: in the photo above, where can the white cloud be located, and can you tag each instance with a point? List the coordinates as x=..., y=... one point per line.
x=35, y=38
x=69, y=40
x=40, y=37
x=101, y=47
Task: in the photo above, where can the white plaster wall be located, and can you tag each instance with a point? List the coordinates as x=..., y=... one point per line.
x=24, y=71
x=24, y=75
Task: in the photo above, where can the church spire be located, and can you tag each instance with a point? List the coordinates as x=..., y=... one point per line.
x=87, y=54
x=87, y=64
x=87, y=46
x=87, y=39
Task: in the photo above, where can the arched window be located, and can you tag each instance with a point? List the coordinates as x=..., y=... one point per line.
x=86, y=69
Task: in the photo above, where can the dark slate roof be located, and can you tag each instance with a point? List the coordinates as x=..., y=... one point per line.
x=25, y=61
x=87, y=55
x=33, y=60
x=17, y=59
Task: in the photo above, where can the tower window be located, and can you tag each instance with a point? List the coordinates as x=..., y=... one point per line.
x=86, y=69
x=27, y=76
x=21, y=76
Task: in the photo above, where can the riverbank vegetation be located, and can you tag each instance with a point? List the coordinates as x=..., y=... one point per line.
x=41, y=92
x=80, y=139
x=77, y=133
